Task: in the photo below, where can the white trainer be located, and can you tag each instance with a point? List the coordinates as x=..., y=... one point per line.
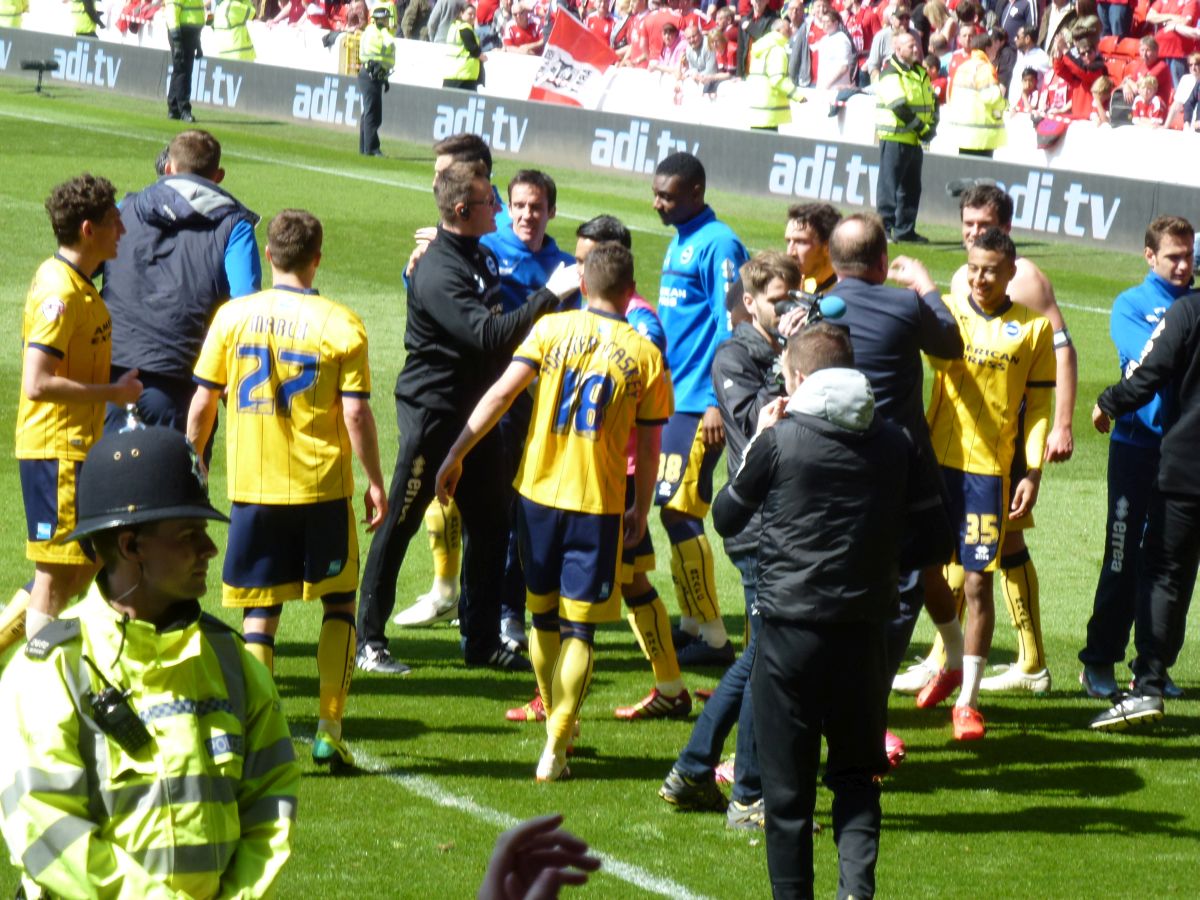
x=913, y=679
x=552, y=767
x=429, y=609
x=1010, y=678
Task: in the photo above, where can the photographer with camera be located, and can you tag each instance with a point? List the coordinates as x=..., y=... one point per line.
x=147, y=753
x=376, y=59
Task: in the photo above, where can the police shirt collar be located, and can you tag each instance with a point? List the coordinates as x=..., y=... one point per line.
x=176, y=617
x=1000, y=310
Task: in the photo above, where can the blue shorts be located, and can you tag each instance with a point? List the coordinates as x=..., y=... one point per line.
x=685, y=467
x=48, y=489
x=638, y=557
x=570, y=561
x=978, y=507
x=280, y=553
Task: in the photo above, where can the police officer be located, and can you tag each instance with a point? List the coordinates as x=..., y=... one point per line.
x=146, y=748
x=230, y=18
x=376, y=59
x=906, y=117
x=185, y=20
x=767, y=74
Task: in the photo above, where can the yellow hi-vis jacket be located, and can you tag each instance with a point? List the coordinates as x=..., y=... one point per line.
x=11, y=11
x=232, y=32
x=84, y=24
x=205, y=809
x=975, y=110
x=377, y=45
x=770, y=89
x=905, y=106
x=460, y=65
x=178, y=13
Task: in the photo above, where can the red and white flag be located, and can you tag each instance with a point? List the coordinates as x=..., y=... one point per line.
x=574, y=65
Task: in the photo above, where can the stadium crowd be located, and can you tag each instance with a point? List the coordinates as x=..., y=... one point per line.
x=549, y=408
x=1041, y=65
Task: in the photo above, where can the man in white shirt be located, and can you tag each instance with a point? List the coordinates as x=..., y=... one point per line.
x=1029, y=56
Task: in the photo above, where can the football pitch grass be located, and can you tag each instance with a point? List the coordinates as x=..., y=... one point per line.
x=1040, y=808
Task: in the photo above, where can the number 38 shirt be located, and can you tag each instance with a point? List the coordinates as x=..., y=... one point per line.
x=975, y=410
x=287, y=357
x=597, y=379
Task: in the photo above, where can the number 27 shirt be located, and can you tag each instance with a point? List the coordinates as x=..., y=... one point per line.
x=287, y=357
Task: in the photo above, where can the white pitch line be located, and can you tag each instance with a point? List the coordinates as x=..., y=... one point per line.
x=435, y=793
x=1092, y=309
x=289, y=163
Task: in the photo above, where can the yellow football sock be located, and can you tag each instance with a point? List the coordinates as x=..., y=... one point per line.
x=572, y=676
x=444, y=526
x=652, y=628
x=12, y=620
x=264, y=653
x=545, y=643
x=955, y=576
x=1019, y=584
x=695, y=581
x=335, y=664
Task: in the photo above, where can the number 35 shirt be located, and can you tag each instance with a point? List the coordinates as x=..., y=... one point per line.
x=286, y=357
x=597, y=379
x=975, y=414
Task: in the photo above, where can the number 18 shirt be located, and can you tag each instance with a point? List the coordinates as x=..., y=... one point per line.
x=287, y=357
x=597, y=378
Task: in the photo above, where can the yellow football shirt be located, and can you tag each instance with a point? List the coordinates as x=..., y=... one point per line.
x=973, y=411
x=287, y=357
x=65, y=317
x=597, y=378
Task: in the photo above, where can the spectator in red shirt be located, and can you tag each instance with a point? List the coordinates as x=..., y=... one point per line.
x=1149, y=64
x=1173, y=44
x=1148, y=109
x=937, y=80
x=1029, y=100
x=599, y=20
x=660, y=14
x=1079, y=68
x=724, y=50
x=524, y=33
x=636, y=51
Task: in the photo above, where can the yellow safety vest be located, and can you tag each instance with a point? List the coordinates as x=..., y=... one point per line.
x=83, y=22
x=975, y=111
x=377, y=45
x=10, y=12
x=460, y=66
x=771, y=90
x=900, y=84
x=179, y=13
x=232, y=32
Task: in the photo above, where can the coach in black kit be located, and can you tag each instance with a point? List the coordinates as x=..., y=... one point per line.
x=457, y=343
x=838, y=489
x=1170, y=363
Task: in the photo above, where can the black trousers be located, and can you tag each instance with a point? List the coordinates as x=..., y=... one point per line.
x=372, y=113
x=1131, y=474
x=425, y=438
x=1170, y=556
x=899, y=193
x=185, y=46
x=808, y=680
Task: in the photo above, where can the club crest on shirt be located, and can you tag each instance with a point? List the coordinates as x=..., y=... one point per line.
x=52, y=308
x=686, y=254
x=1012, y=330
x=491, y=266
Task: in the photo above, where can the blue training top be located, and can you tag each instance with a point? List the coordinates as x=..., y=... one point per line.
x=701, y=264
x=1135, y=314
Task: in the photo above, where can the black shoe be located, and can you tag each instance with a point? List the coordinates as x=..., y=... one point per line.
x=187, y=117
x=700, y=653
x=173, y=115
x=1130, y=711
x=681, y=638
x=911, y=238
x=504, y=661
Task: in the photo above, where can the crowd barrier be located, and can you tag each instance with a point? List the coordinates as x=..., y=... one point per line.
x=1065, y=205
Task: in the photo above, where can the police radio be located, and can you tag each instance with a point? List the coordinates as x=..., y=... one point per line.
x=113, y=714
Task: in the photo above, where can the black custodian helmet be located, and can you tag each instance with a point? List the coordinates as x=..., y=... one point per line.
x=140, y=475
